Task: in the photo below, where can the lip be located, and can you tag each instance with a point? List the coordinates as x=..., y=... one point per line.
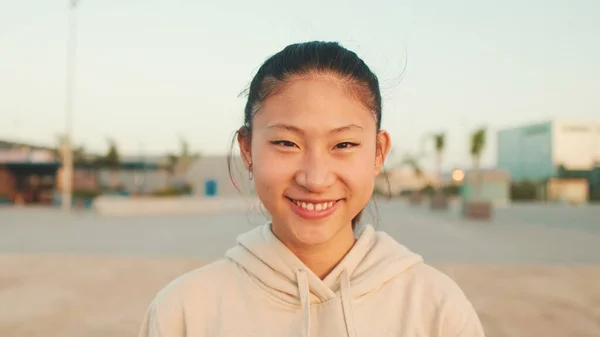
x=314, y=214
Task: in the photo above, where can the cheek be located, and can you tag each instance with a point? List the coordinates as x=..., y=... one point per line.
x=270, y=172
x=360, y=171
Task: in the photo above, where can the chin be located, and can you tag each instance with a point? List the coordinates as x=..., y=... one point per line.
x=312, y=234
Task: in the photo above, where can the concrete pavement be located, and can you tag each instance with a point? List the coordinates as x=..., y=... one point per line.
x=517, y=234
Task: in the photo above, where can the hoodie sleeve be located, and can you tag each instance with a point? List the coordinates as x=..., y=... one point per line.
x=472, y=327
x=460, y=318
x=164, y=317
x=149, y=326
x=455, y=315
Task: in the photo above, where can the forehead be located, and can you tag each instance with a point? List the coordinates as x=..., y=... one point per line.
x=315, y=102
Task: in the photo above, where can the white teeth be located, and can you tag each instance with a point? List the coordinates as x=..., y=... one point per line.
x=310, y=206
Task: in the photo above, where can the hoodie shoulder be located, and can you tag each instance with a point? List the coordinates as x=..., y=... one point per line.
x=205, y=275
x=200, y=282
x=451, y=312
x=191, y=291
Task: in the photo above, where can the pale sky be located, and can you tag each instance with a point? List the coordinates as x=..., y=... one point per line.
x=148, y=71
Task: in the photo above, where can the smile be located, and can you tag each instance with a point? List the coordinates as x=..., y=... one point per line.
x=313, y=206
x=313, y=209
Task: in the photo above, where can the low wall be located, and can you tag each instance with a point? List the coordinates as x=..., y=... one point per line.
x=572, y=190
x=127, y=206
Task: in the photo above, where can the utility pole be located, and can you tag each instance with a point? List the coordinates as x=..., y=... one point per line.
x=67, y=169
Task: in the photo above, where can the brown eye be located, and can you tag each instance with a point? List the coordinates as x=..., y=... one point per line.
x=346, y=145
x=283, y=143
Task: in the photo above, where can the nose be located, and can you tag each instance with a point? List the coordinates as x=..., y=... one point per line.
x=315, y=173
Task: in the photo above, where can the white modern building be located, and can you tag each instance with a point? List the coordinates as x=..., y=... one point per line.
x=536, y=151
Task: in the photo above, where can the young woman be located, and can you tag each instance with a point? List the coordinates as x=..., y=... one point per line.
x=313, y=145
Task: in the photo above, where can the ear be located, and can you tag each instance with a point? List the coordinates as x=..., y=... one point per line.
x=384, y=143
x=244, y=142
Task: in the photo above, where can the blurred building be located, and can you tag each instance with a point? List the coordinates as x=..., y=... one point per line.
x=561, y=155
x=27, y=173
x=33, y=174
x=537, y=151
x=136, y=174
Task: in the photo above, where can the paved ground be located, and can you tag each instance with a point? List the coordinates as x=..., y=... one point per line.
x=76, y=296
x=519, y=234
x=531, y=271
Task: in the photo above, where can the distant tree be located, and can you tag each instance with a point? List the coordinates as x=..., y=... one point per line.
x=440, y=143
x=80, y=156
x=562, y=172
x=112, y=161
x=478, y=140
x=412, y=161
x=171, y=163
x=184, y=148
x=184, y=153
x=176, y=163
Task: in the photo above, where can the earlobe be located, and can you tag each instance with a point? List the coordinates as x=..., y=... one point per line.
x=383, y=148
x=244, y=145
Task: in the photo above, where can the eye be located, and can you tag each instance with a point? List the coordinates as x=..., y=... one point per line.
x=346, y=145
x=284, y=143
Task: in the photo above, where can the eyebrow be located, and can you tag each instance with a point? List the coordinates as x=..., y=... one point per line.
x=296, y=129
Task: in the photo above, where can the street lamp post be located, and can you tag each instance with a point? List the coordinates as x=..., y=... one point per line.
x=67, y=166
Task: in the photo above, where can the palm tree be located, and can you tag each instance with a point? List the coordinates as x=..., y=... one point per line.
x=478, y=138
x=186, y=158
x=440, y=143
x=170, y=167
x=181, y=162
x=184, y=146
x=112, y=161
x=439, y=200
x=412, y=161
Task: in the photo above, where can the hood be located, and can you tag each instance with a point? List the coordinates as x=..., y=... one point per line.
x=374, y=259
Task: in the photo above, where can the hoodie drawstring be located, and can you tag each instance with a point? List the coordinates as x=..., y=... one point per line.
x=304, y=300
x=347, y=304
x=346, y=295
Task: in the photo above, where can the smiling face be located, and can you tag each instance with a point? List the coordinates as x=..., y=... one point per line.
x=315, y=152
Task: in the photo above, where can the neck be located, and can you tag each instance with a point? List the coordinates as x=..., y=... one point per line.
x=323, y=258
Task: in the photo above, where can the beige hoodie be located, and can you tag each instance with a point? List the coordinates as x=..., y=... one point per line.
x=262, y=289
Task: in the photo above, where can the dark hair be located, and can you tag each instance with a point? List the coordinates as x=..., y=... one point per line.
x=311, y=58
